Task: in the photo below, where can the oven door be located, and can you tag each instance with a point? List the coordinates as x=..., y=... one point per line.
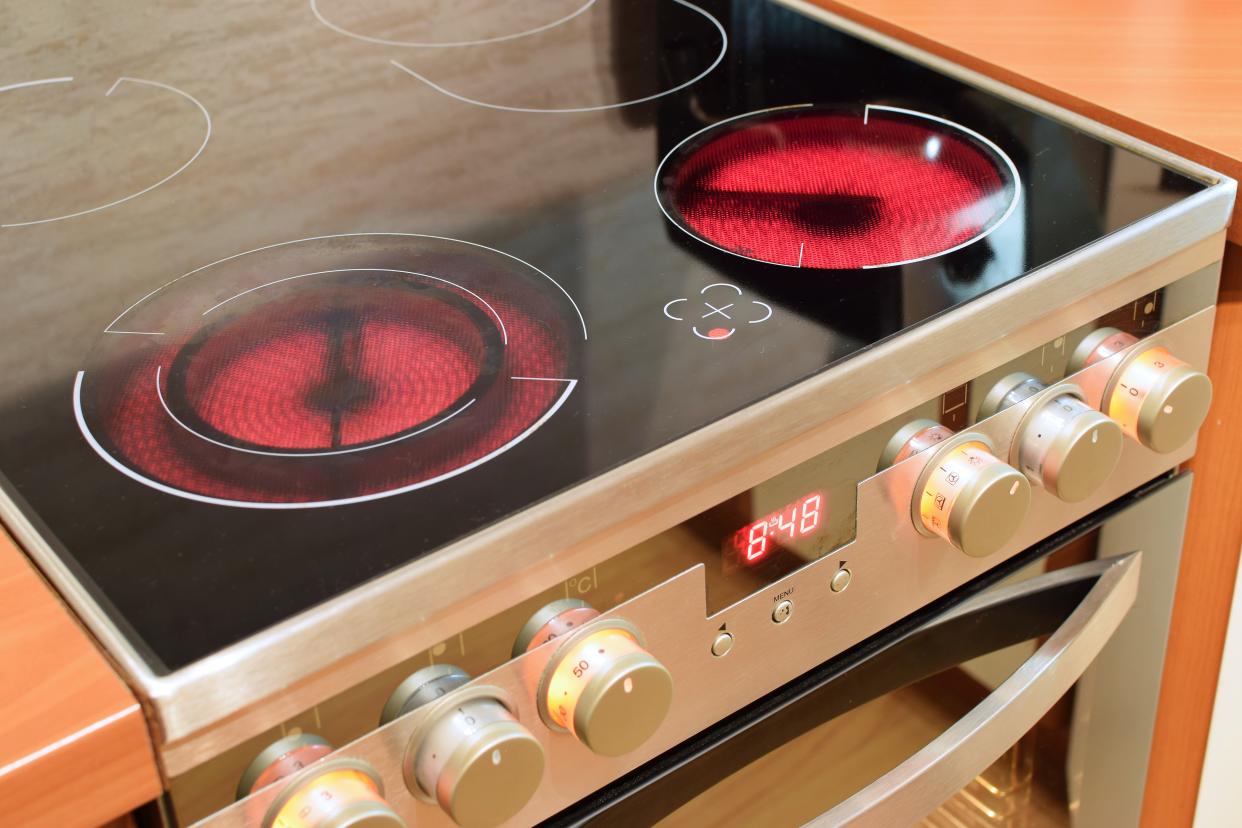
x=1027, y=698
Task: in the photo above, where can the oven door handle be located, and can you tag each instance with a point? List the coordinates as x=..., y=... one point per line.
x=948, y=763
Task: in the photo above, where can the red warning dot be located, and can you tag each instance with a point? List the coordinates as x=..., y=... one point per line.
x=719, y=333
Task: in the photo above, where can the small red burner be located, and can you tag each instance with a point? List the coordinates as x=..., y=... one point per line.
x=817, y=188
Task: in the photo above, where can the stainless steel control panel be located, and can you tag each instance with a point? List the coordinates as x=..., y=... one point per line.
x=629, y=658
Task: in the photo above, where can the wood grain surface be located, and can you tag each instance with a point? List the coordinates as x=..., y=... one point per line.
x=1168, y=73
x=74, y=748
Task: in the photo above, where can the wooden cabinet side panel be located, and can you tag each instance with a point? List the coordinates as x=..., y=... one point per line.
x=1205, y=584
x=74, y=745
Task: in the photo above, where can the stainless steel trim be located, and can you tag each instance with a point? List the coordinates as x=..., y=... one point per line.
x=241, y=690
x=920, y=784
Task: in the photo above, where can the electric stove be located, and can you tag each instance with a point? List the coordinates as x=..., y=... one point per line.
x=329, y=325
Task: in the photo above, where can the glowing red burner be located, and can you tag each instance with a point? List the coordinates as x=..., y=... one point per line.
x=339, y=369
x=332, y=386
x=808, y=187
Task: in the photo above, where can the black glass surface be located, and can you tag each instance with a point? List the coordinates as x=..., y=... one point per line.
x=522, y=161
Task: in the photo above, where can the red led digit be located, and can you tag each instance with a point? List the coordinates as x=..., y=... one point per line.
x=810, y=514
x=790, y=528
x=796, y=520
x=757, y=546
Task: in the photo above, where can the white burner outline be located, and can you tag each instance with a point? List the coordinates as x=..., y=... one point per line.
x=669, y=315
x=724, y=47
x=109, y=329
x=111, y=89
x=504, y=333
x=1013, y=170
x=160, y=393
x=414, y=44
x=318, y=504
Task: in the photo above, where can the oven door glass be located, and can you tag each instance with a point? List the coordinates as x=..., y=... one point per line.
x=1026, y=699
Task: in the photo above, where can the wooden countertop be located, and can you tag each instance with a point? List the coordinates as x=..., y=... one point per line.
x=74, y=748
x=1167, y=72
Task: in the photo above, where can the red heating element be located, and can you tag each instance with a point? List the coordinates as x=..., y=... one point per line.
x=822, y=189
x=339, y=372
x=343, y=388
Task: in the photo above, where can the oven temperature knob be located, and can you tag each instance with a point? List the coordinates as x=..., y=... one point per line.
x=337, y=793
x=600, y=684
x=552, y=621
x=965, y=494
x=1156, y=398
x=470, y=755
x=1062, y=443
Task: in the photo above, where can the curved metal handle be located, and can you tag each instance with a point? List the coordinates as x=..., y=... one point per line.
x=927, y=779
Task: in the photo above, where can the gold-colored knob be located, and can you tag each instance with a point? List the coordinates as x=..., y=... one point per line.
x=605, y=689
x=969, y=497
x=1161, y=400
x=341, y=793
x=470, y=755
x=1156, y=398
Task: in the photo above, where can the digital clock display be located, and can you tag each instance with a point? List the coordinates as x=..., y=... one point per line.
x=756, y=542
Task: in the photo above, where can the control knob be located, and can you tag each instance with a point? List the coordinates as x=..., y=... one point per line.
x=336, y=793
x=1062, y=443
x=965, y=494
x=600, y=685
x=1155, y=397
x=469, y=754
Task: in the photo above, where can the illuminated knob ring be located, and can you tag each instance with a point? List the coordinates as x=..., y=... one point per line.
x=559, y=654
x=621, y=699
x=1082, y=484
x=367, y=811
x=960, y=524
x=932, y=458
x=1175, y=431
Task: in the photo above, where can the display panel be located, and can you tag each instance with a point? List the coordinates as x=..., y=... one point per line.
x=775, y=533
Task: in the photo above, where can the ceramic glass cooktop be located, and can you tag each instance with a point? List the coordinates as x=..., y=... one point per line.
x=297, y=292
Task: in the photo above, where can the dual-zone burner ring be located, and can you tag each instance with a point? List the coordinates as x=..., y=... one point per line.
x=334, y=385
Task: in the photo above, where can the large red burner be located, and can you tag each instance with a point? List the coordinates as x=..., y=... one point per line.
x=330, y=371
x=809, y=187
x=340, y=368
